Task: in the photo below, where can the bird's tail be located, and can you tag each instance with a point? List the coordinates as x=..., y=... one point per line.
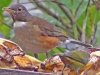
x=78, y=42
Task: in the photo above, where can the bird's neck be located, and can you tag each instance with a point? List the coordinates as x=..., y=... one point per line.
x=22, y=17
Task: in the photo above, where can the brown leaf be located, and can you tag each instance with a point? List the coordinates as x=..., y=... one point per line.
x=55, y=65
x=25, y=62
x=93, y=66
x=8, y=49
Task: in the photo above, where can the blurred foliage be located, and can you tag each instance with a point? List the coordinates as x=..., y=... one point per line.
x=82, y=18
x=3, y=28
x=3, y=3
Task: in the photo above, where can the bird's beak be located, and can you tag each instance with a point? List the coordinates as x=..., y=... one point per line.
x=8, y=10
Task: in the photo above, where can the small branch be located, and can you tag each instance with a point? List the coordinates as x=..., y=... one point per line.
x=46, y=1
x=50, y=1
x=94, y=27
x=5, y=24
x=59, y=3
x=87, y=8
x=78, y=7
x=84, y=23
x=93, y=33
x=79, y=30
x=66, y=12
x=83, y=30
x=50, y=12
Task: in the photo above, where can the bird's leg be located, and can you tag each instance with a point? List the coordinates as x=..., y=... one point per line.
x=36, y=55
x=47, y=54
x=63, y=69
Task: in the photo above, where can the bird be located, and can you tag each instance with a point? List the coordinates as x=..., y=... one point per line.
x=74, y=60
x=36, y=34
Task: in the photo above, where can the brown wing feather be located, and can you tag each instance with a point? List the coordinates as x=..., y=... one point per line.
x=47, y=29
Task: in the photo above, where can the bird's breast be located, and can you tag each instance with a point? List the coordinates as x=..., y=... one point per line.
x=30, y=37
x=25, y=32
x=19, y=24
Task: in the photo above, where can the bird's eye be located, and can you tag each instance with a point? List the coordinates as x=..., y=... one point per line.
x=19, y=9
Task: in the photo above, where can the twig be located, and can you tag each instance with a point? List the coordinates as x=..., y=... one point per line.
x=66, y=12
x=93, y=33
x=50, y=12
x=78, y=8
x=87, y=7
x=79, y=29
x=84, y=29
x=5, y=24
x=94, y=28
x=60, y=3
x=46, y=1
x=84, y=24
x=55, y=1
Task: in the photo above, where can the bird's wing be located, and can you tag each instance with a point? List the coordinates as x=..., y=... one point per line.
x=47, y=29
x=50, y=30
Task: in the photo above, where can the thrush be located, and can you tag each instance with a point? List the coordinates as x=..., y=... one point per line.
x=36, y=34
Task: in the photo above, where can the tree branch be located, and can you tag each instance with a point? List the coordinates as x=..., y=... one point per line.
x=94, y=28
x=50, y=12
x=46, y=1
x=79, y=30
x=84, y=29
x=66, y=12
x=63, y=9
x=57, y=2
x=78, y=7
x=87, y=8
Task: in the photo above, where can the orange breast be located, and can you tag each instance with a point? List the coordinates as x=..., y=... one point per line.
x=49, y=42
x=31, y=39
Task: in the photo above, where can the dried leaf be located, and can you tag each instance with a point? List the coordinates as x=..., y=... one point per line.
x=55, y=65
x=93, y=66
x=8, y=49
x=25, y=62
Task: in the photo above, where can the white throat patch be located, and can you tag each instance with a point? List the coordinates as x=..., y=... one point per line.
x=19, y=24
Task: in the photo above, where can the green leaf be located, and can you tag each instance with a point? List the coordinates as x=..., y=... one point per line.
x=75, y=31
x=97, y=42
x=93, y=18
x=4, y=29
x=82, y=7
x=3, y=3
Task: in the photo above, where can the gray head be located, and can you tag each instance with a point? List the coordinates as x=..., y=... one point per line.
x=18, y=12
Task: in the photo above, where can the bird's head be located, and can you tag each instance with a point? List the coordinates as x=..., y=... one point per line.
x=18, y=12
